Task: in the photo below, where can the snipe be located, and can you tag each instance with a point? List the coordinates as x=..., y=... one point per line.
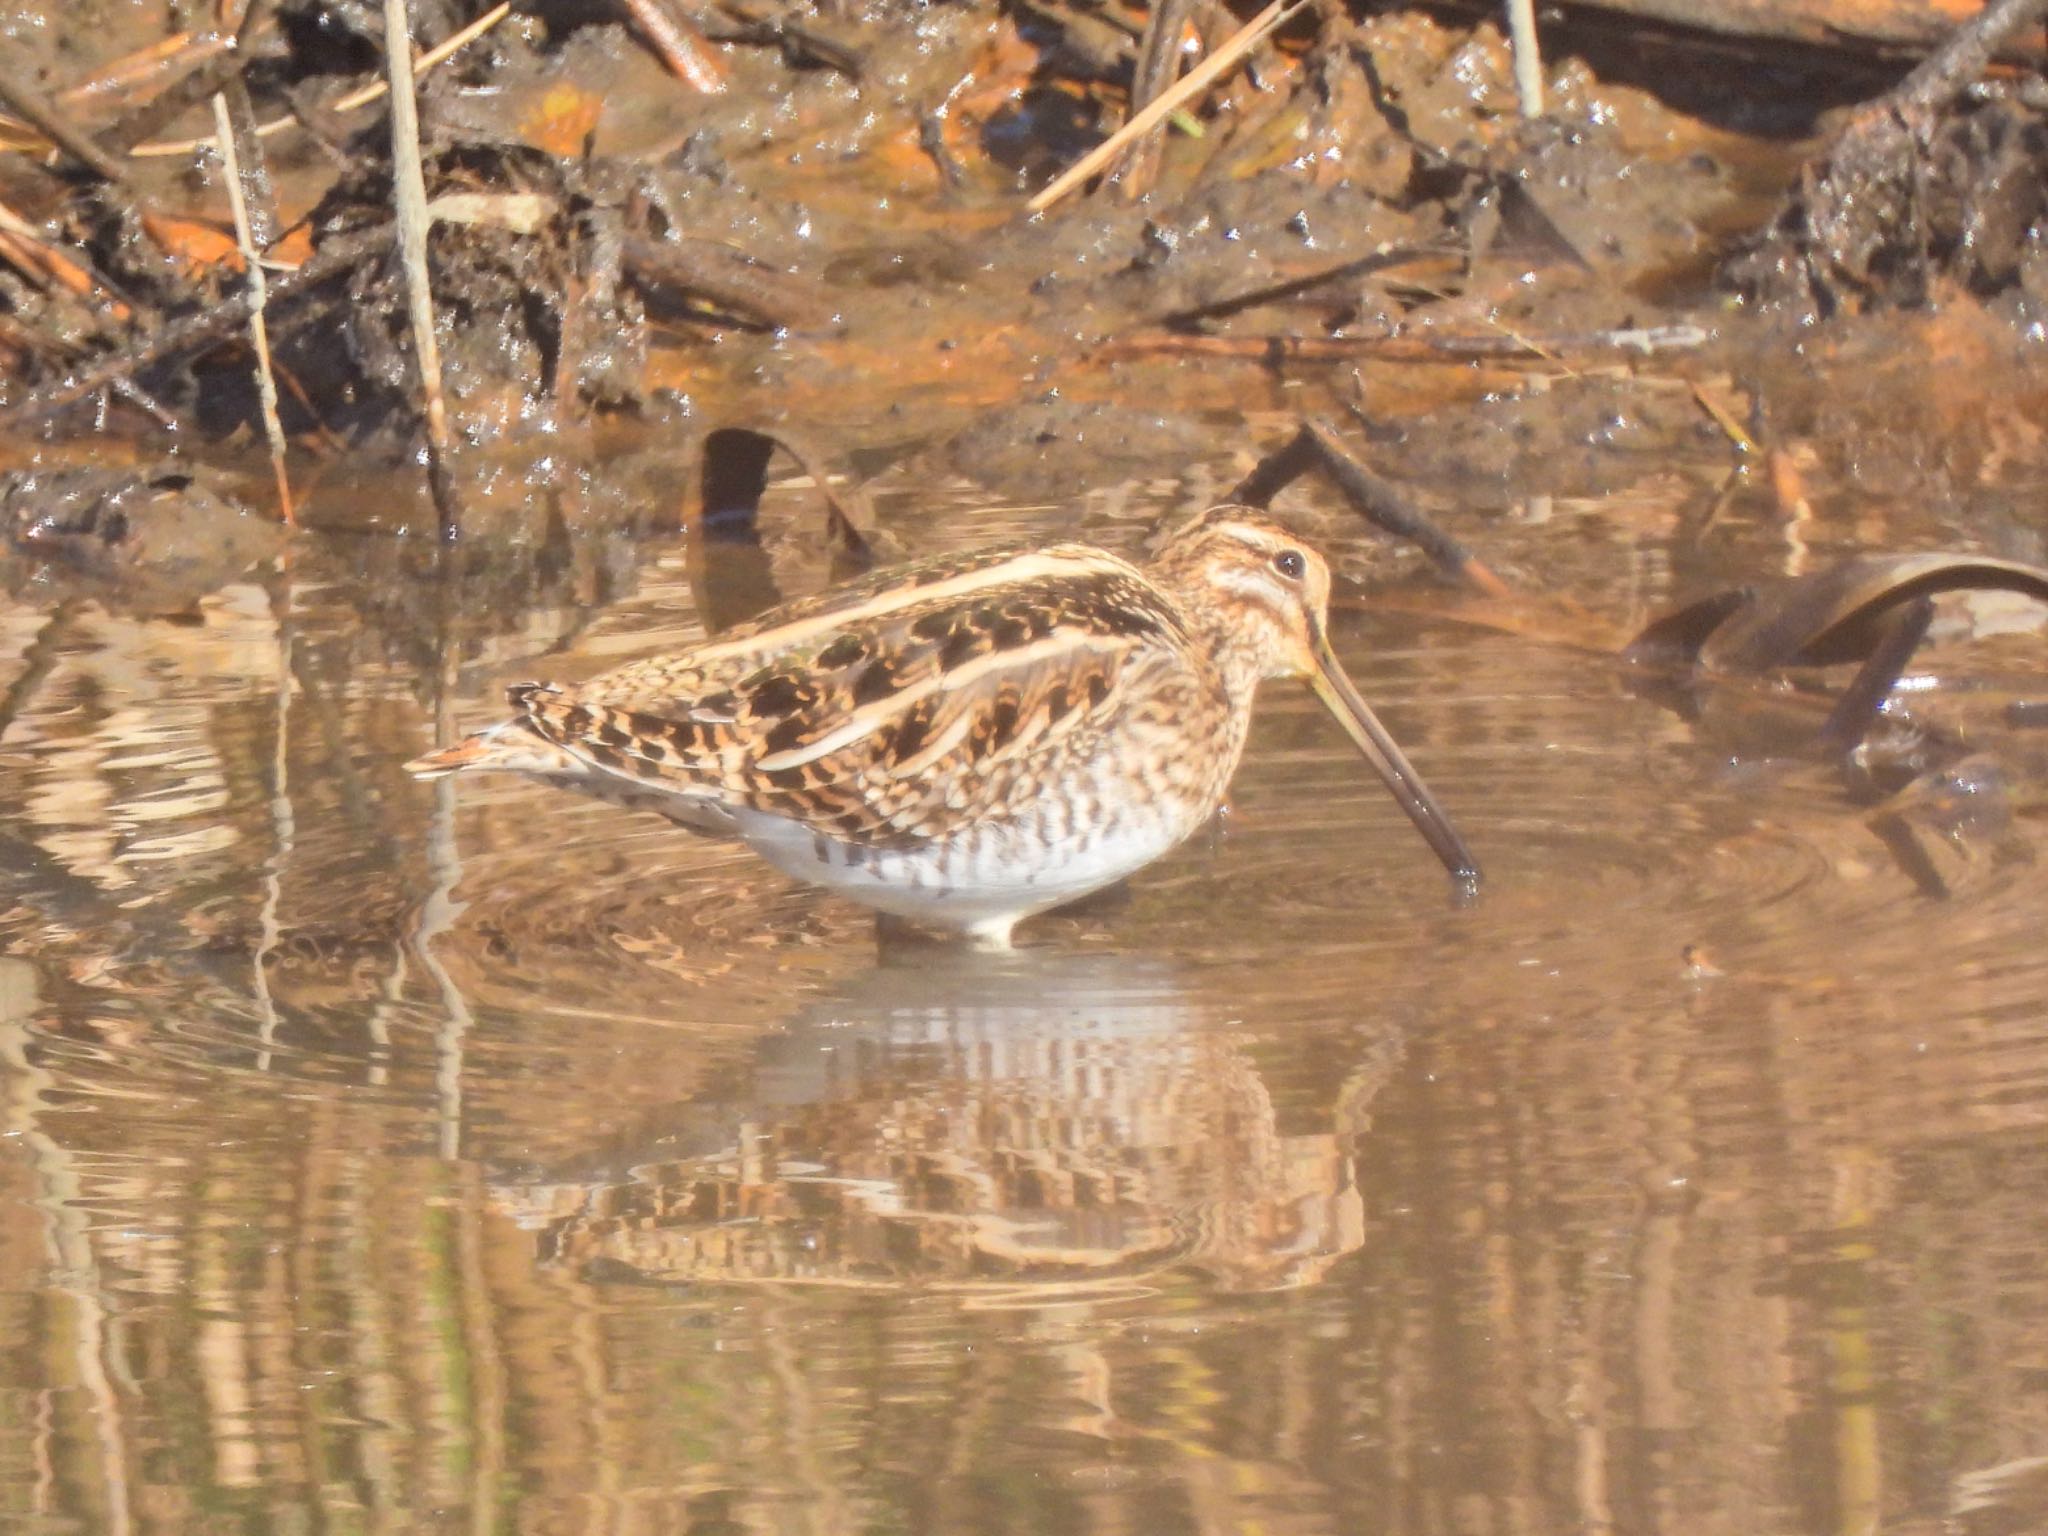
x=967, y=741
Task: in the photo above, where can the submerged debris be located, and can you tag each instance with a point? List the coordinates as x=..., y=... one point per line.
x=154, y=538
x=1871, y=611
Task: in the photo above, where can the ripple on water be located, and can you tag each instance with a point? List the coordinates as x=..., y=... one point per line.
x=1254, y=1179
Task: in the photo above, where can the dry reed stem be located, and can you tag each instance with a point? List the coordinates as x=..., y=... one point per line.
x=1169, y=101
x=28, y=103
x=1528, y=56
x=259, y=333
x=439, y=54
x=409, y=193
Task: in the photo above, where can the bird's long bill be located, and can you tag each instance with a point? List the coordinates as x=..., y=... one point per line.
x=1363, y=726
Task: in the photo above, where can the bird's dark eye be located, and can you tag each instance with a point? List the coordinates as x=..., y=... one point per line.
x=1289, y=563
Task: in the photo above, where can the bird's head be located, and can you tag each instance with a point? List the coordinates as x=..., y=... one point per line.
x=1260, y=597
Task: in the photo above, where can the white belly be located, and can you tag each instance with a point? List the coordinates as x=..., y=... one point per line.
x=986, y=878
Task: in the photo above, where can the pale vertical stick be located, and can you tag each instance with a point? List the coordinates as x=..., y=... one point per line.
x=409, y=191
x=259, y=333
x=435, y=917
x=1528, y=57
x=437, y=913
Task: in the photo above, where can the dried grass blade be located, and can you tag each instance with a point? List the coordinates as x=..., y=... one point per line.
x=1169, y=101
x=259, y=333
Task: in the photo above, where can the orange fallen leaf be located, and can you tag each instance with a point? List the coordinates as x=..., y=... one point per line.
x=197, y=245
x=201, y=245
x=562, y=121
x=1001, y=73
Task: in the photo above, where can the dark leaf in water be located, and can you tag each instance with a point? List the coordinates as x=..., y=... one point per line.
x=1821, y=619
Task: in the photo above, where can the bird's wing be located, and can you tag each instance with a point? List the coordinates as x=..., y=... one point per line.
x=883, y=711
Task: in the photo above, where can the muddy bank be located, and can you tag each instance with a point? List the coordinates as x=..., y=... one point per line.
x=823, y=222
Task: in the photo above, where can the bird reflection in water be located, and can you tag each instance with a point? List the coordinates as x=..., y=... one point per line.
x=1049, y=1124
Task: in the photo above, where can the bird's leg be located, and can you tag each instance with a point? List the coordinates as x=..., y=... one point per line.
x=1218, y=830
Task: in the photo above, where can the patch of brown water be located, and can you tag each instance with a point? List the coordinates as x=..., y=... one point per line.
x=376, y=1149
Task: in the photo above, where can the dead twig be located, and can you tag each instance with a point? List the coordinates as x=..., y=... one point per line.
x=683, y=50
x=1287, y=288
x=1724, y=418
x=45, y=264
x=1385, y=505
x=727, y=280
x=123, y=78
x=130, y=74
x=1859, y=226
x=259, y=336
x=850, y=517
x=173, y=102
x=253, y=177
x=1638, y=341
x=409, y=193
x=33, y=108
x=1169, y=101
x=1960, y=61
x=24, y=342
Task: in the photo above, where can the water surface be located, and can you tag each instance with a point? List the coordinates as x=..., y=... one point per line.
x=382, y=1156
